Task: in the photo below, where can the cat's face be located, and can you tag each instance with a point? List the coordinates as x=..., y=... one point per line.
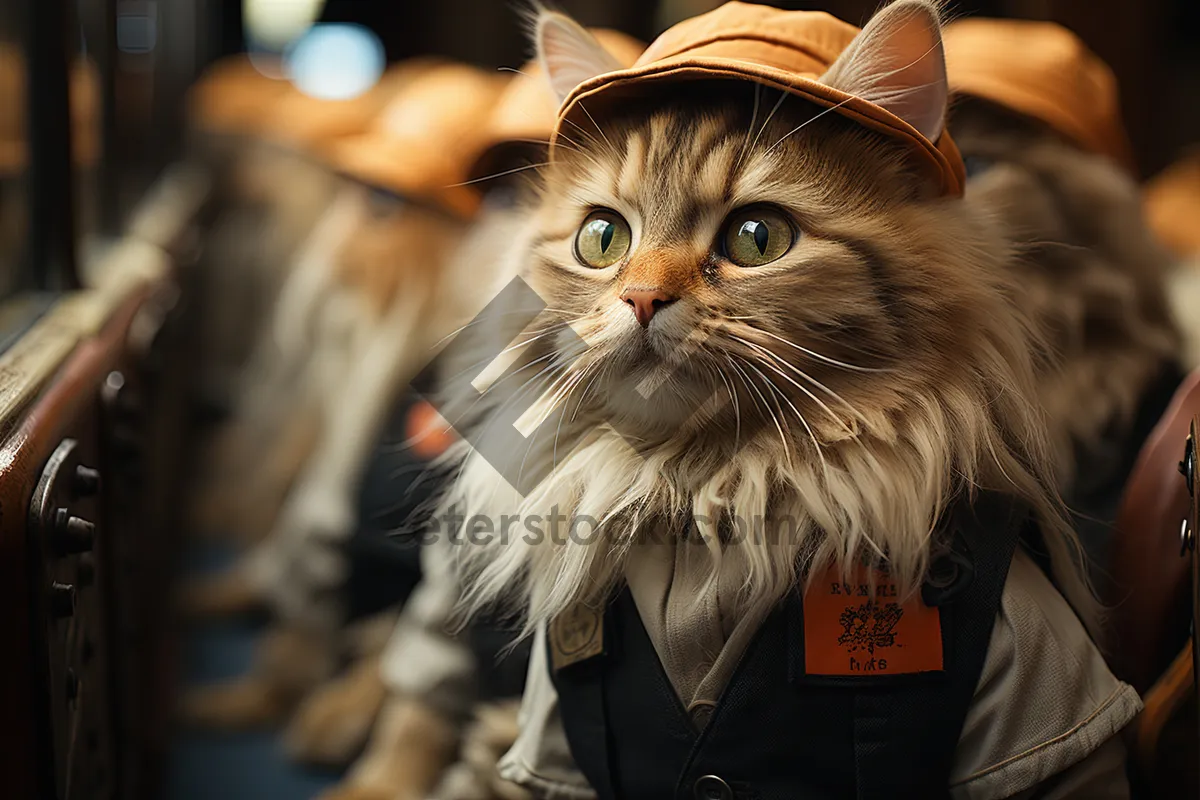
x=789, y=262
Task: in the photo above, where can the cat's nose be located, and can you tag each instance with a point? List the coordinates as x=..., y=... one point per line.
x=646, y=302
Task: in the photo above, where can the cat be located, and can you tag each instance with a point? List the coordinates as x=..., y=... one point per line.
x=1092, y=277
x=753, y=310
x=367, y=302
x=364, y=347
x=903, y=381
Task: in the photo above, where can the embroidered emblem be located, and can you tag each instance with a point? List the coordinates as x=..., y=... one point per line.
x=870, y=625
x=848, y=631
x=576, y=635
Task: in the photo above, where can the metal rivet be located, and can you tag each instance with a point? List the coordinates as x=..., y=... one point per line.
x=72, y=535
x=710, y=787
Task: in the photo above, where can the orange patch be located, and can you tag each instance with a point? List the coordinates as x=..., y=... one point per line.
x=428, y=434
x=849, y=633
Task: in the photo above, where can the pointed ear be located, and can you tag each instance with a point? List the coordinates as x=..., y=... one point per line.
x=569, y=55
x=897, y=62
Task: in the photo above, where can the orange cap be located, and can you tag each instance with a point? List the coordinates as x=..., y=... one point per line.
x=231, y=95
x=787, y=50
x=424, y=141
x=1044, y=71
x=1172, y=201
x=303, y=122
x=526, y=111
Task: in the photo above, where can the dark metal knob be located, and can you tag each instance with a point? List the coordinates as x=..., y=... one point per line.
x=72, y=535
x=62, y=600
x=86, y=482
x=1188, y=465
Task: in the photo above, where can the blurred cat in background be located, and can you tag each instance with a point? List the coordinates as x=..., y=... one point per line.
x=1037, y=119
x=256, y=136
x=358, y=318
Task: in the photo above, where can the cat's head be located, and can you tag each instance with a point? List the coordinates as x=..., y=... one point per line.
x=716, y=235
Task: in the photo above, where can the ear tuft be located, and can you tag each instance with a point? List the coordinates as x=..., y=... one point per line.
x=897, y=62
x=568, y=54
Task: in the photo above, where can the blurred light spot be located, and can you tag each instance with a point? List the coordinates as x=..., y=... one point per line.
x=136, y=33
x=273, y=24
x=336, y=61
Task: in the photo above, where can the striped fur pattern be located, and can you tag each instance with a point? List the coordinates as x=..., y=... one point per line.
x=886, y=355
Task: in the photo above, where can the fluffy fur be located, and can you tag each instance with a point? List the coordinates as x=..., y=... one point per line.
x=877, y=373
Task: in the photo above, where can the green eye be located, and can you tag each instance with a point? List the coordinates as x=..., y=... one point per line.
x=603, y=239
x=756, y=236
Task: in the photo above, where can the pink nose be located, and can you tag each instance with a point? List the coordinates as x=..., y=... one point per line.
x=646, y=302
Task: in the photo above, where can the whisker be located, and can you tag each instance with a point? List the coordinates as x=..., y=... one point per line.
x=806, y=376
x=749, y=385
x=492, y=357
x=806, y=122
x=750, y=127
x=808, y=428
x=599, y=130
x=498, y=175
x=819, y=356
x=782, y=96
x=737, y=411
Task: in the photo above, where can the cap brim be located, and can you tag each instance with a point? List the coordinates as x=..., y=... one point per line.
x=942, y=158
x=379, y=162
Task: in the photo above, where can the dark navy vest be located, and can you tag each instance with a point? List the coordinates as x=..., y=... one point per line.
x=777, y=733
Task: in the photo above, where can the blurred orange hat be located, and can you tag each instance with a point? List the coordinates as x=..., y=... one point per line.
x=85, y=113
x=303, y=122
x=1044, y=71
x=231, y=95
x=526, y=111
x=1172, y=201
x=787, y=50
x=423, y=143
